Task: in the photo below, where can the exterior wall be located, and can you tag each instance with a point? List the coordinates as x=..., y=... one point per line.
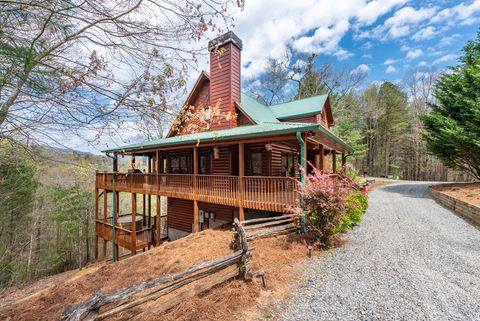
x=243, y=120
x=223, y=214
x=302, y=119
x=276, y=158
x=256, y=148
x=200, y=99
x=225, y=82
x=221, y=166
x=180, y=215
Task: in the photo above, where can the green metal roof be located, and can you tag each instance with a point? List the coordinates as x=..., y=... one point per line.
x=259, y=130
x=300, y=107
x=267, y=121
x=257, y=111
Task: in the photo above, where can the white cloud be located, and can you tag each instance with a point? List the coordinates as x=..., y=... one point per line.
x=390, y=61
x=448, y=40
x=414, y=53
x=361, y=69
x=390, y=69
x=405, y=48
x=445, y=58
x=459, y=14
x=400, y=24
x=425, y=34
x=422, y=63
x=377, y=8
x=308, y=26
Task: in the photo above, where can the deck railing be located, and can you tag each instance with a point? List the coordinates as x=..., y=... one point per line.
x=256, y=192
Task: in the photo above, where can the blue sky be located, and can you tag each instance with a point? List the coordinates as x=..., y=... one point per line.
x=386, y=38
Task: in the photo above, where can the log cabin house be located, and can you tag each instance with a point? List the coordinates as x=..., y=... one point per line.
x=245, y=166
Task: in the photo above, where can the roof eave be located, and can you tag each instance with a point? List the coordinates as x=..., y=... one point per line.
x=211, y=139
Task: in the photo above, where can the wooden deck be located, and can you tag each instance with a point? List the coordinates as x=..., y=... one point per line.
x=253, y=192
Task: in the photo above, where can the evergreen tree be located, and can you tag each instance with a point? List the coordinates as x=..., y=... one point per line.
x=18, y=183
x=393, y=126
x=453, y=126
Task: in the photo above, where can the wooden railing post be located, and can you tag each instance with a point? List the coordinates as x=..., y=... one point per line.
x=158, y=220
x=96, y=219
x=134, y=223
x=105, y=214
x=196, y=214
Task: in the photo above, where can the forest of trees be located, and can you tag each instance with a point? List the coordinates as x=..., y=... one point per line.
x=47, y=211
x=382, y=121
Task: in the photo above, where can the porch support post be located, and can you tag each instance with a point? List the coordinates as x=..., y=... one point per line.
x=115, y=164
x=158, y=220
x=241, y=174
x=134, y=223
x=334, y=162
x=344, y=162
x=144, y=209
x=96, y=218
x=149, y=204
x=117, y=211
x=303, y=156
x=196, y=226
x=105, y=214
x=319, y=158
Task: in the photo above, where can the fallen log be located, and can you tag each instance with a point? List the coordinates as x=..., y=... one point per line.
x=156, y=309
x=267, y=219
x=287, y=231
x=166, y=290
x=270, y=230
x=88, y=308
x=267, y=224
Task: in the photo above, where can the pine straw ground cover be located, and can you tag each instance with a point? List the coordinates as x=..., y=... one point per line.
x=232, y=300
x=467, y=192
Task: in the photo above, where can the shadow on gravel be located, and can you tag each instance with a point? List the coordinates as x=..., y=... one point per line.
x=414, y=190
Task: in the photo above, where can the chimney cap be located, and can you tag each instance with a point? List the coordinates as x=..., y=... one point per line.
x=224, y=39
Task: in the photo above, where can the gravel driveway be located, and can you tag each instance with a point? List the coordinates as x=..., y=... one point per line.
x=410, y=259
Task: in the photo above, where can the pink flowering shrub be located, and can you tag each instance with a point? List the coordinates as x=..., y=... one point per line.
x=324, y=203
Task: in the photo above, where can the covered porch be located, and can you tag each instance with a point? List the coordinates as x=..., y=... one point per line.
x=260, y=173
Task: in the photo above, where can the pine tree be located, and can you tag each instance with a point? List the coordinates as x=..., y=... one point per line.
x=453, y=126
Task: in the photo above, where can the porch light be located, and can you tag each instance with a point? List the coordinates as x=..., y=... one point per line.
x=216, y=153
x=268, y=147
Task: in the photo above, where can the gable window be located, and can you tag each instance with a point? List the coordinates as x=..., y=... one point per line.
x=287, y=165
x=257, y=163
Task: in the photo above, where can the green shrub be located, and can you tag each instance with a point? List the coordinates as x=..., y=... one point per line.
x=356, y=204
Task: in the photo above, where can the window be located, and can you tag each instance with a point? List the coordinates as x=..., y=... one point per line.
x=178, y=164
x=257, y=163
x=203, y=164
x=287, y=165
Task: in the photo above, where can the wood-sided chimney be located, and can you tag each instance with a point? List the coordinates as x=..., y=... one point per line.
x=225, y=78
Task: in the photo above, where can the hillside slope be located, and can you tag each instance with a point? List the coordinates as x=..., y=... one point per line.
x=277, y=256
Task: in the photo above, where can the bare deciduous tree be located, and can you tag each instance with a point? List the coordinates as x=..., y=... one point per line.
x=76, y=65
